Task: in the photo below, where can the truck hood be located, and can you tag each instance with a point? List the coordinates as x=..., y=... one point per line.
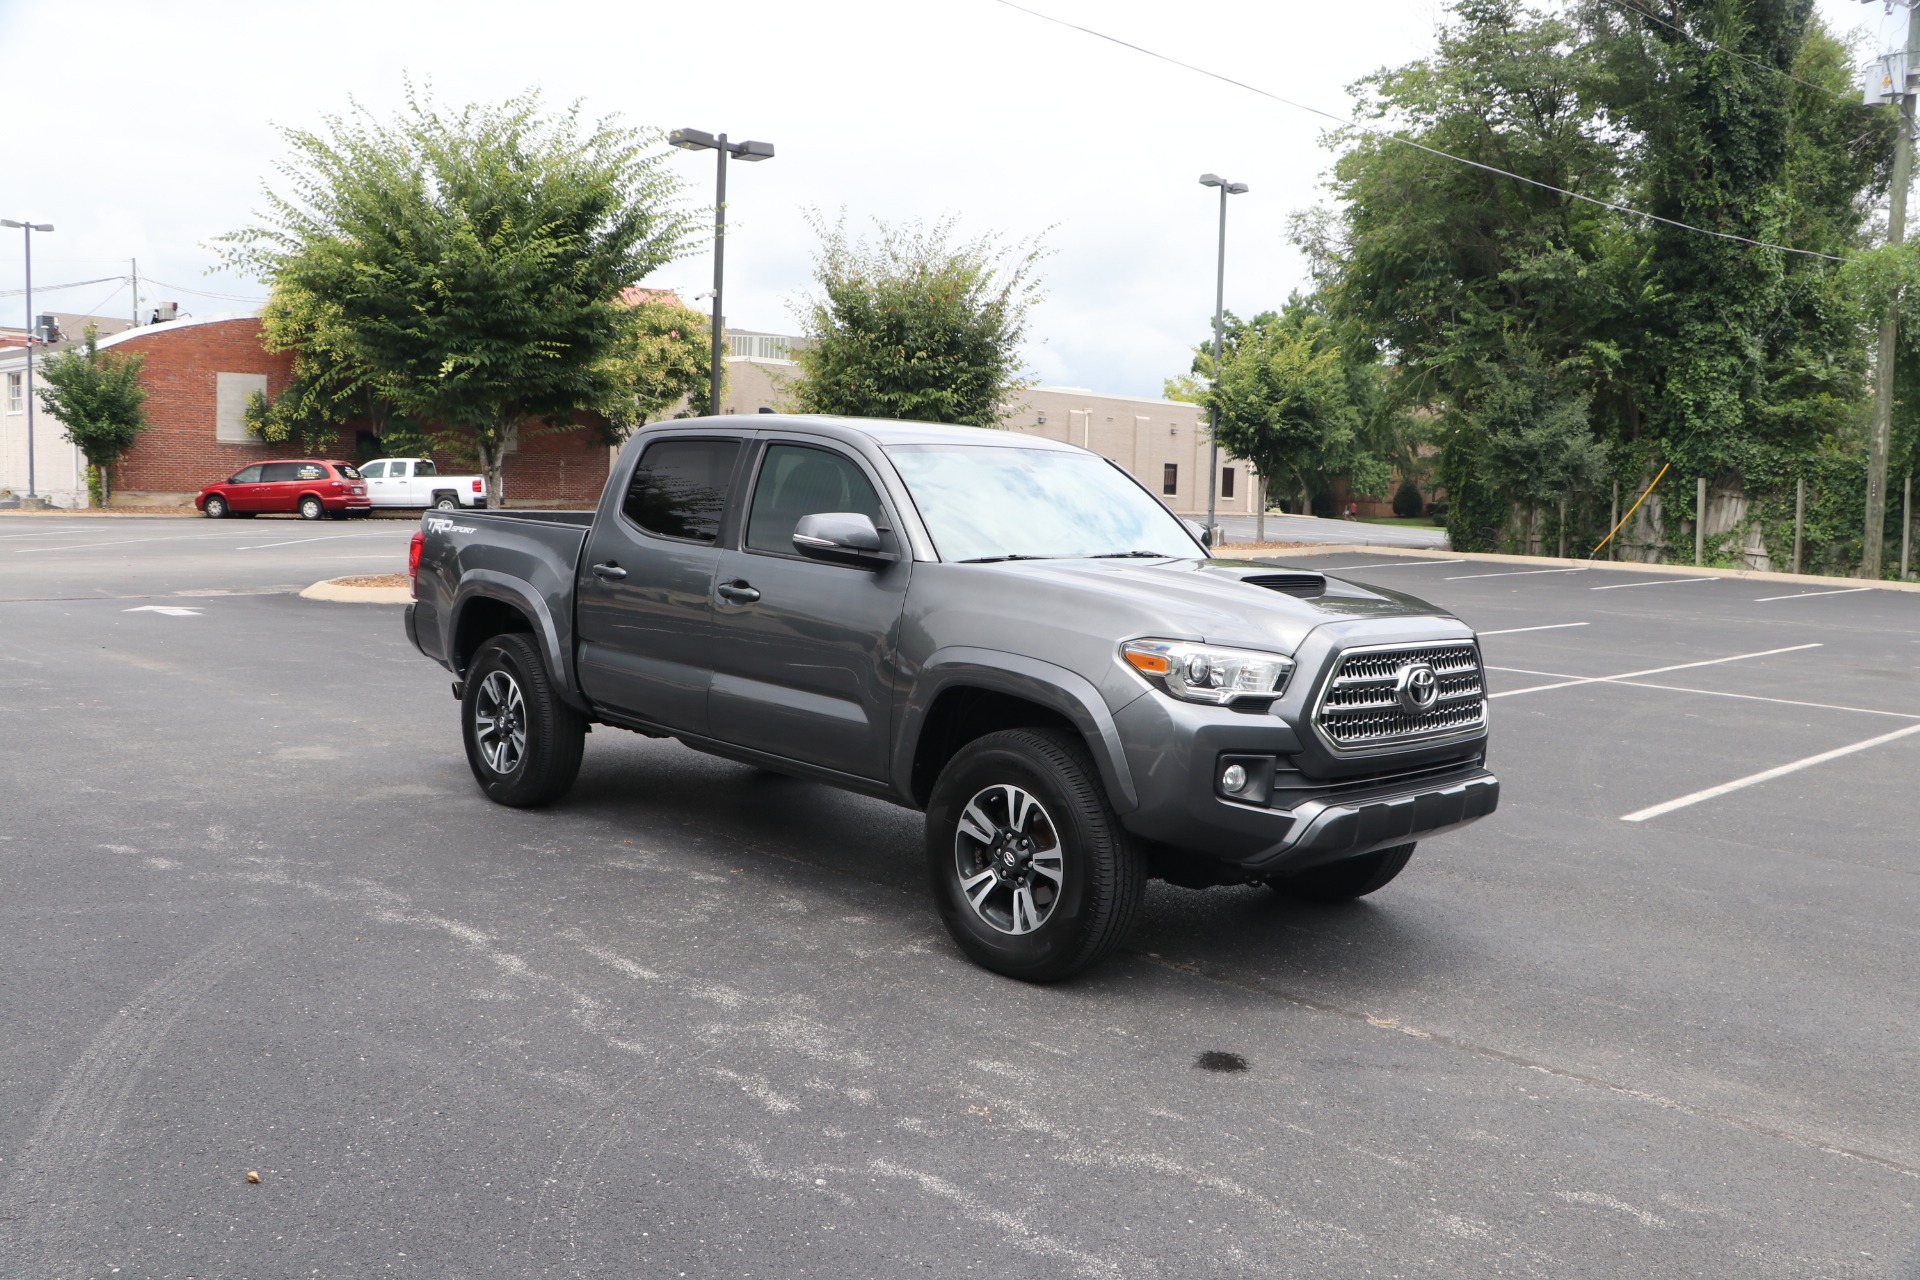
x=1229, y=602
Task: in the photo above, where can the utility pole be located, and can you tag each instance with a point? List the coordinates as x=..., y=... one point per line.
x=136, y=292
x=1880, y=436
x=27, y=228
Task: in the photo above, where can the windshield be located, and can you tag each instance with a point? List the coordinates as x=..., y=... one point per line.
x=991, y=502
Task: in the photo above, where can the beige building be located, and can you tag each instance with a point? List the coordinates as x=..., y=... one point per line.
x=1163, y=443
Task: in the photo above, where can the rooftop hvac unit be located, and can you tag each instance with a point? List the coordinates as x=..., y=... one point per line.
x=165, y=311
x=46, y=327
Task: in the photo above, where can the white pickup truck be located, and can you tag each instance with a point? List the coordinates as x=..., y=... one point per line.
x=416, y=482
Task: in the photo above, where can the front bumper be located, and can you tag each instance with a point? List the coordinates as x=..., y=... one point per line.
x=1322, y=812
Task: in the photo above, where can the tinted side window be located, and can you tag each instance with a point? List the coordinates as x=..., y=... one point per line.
x=309, y=471
x=348, y=470
x=276, y=471
x=425, y=467
x=797, y=481
x=680, y=488
x=246, y=475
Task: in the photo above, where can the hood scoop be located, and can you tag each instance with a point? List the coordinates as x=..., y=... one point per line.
x=1304, y=585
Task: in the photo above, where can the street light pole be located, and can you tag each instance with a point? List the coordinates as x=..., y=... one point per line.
x=1879, y=436
x=695, y=140
x=28, y=228
x=1219, y=314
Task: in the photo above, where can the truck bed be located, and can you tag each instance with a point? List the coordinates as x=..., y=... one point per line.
x=525, y=558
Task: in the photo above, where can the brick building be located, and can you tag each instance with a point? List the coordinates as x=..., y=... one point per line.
x=199, y=373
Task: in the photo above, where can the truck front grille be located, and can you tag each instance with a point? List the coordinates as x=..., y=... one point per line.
x=1360, y=708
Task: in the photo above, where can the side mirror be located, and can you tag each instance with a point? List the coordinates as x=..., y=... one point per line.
x=1199, y=531
x=841, y=537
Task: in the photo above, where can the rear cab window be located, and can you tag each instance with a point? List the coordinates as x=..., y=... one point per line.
x=679, y=488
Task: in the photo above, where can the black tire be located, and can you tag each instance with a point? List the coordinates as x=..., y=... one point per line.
x=1095, y=899
x=216, y=508
x=445, y=502
x=1347, y=879
x=541, y=766
x=311, y=508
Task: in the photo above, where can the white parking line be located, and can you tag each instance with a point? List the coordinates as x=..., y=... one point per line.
x=1765, y=775
x=1650, y=671
x=1657, y=582
x=1514, y=631
x=1512, y=573
x=1802, y=595
x=1717, y=693
x=1393, y=564
x=324, y=537
x=82, y=546
x=52, y=533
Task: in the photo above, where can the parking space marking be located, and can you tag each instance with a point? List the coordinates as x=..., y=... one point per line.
x=1650, y=671
x=1717, y=693
x=1765, y=775
x=49, y=533
x=1514, y=631
x=88, y=546
x=1513, y=573
x=322, y=537
x=1802, y=595
x=1393, y=564
x=1657, y=582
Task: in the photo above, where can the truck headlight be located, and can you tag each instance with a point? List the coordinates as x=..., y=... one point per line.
x=1207, y=673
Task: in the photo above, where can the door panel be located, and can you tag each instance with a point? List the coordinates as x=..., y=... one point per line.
x=645, y=619
x=806, y=669
x=277, y=490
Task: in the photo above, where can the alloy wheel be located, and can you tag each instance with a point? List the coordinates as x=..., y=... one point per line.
x=500, y=722
x=1007, y=853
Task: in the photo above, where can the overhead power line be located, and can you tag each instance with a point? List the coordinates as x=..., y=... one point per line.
x=202, y=293
x=1418, y=146
x=55, y=288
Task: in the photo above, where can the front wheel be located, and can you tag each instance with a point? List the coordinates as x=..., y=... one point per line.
x=1032, y=873
x=311, y=508
x=523, y=743
x=1347, y=879
x=216, y=508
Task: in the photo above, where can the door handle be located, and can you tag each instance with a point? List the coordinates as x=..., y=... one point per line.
x=610, y=570
x=737, y=593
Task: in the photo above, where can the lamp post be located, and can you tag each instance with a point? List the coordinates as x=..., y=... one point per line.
x=695, y=140
x=28, y=228
x=1219, y=313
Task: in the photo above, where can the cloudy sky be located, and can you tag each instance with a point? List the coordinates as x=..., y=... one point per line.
x=150, y=129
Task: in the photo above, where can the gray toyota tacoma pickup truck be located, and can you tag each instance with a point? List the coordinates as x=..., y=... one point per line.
x=1008, y=633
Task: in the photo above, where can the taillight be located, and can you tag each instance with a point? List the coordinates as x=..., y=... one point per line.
x=476, y=486
x=414, y=544
x=334, y=485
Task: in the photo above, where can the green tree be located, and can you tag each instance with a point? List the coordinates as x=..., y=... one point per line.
x=1285, y=403
x=98, y=399
x=662, y=358
x=466, y=268
x=916, y=325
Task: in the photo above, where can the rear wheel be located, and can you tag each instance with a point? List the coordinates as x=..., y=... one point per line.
x=1346, y=879
x=311, y=508
x=445, y=502
x=523, y=743
x=1032, y=872
x=216, y=508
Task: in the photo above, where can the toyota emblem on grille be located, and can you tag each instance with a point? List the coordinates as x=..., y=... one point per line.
x=1418, y=688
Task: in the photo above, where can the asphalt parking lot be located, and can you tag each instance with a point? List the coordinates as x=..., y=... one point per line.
x=701, y=1020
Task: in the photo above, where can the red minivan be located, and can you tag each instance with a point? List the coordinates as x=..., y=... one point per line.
x=310, y=486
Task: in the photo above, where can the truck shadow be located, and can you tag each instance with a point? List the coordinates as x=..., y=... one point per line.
x=670, y=794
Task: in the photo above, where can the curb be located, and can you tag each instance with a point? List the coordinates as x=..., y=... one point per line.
x=331, y=589
x=1630, y=566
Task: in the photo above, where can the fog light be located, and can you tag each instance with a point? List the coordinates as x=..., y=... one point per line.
x=1233, y=778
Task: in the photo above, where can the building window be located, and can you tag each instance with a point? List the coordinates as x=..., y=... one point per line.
x=1170, y=479
x=230, y=394
x=1226, y=482
x=16, y=399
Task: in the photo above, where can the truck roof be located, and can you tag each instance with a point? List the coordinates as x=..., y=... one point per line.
x=882, y=431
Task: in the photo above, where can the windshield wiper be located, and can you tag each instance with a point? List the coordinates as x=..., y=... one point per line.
x=1134, y=555
x=998, y=559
